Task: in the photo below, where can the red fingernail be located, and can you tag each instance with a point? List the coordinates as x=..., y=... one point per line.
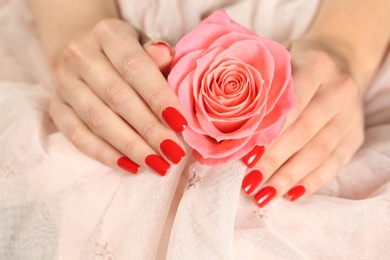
x=174, y=119
x=158, y=164
x=128, y=165
x=264, y=196
x=251, y=181
x=164, y=44
x=253, y=156
x=172, y=151
x=295, y=192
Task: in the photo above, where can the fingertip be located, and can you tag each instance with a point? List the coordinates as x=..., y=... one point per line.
x=295, y=193
x=251, y=181
x=161, y=54
x=163, y=46
x=172, y=151
x=264, y=196
x=174, y=119
x=128, y=165
x=157, y=164
x=254, y=156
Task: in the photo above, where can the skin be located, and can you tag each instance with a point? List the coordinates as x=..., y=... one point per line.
x=333, y=64
x=96, y=60
x=99, y=62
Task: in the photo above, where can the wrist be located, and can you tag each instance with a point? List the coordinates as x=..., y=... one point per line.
x=355, y=31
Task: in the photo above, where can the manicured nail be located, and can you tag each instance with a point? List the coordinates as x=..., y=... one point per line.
x=172, y=151
x=251, y=181
x=295, y=192
x=264, y=196
x=128, y=165
x=164, y=44
x=174, y=119
x=158, y=164
x=253, y=156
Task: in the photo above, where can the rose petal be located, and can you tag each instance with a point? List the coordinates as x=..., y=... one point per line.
x=210, y=148
x=204, y=67
x=210, y=29
x=182, y=68
x=279, y=110
x=185, y=95
x=245, y=48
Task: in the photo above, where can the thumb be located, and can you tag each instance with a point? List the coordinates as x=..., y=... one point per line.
x=161, y=54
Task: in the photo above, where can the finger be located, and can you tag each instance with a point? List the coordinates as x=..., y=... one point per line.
x=301, y=162
x=105, y=123
x=161, y=54
x=79, y=134
x=323, y=107
x=138, y=69
x=304, y=161
x=306, y=86
x=324, y=173
x=311, y=121
x=105, y=81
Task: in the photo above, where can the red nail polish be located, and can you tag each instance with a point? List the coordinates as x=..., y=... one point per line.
x=174, y=119
x=253, y=156
x=163, y=44
x=251, y=181
x=128, y=165
x=158, y=164
x=172, y=151
x=264, y=196
x=295, y=192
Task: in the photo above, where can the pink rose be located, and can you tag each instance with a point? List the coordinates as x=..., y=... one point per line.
x=236, y=88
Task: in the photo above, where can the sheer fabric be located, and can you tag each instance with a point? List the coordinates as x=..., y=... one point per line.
x=56, y=203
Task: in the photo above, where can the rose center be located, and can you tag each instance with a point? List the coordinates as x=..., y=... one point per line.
x=231, y=87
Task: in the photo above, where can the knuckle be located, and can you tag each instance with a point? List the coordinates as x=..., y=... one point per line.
x=319, y=61
x=77, y=136
x=320, y=56
x=95, y=117
x=322, y=61
x=315, y=181
x=156, y=99
x=149, y=129
x=106, y=29
x=79, y=139
x=73, y=51
x=347, y=88
x=133, y=63
x=114, y=92
x=286, y=180
x=320, y=150
x=300, y=130
x=105, y=26
x=60, y=82
x=270, y=163
x=130, y=147
x=100, y=155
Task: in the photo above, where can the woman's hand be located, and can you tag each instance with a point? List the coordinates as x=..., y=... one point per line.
x=321, y=134
x=333, y=63
x=112, y=99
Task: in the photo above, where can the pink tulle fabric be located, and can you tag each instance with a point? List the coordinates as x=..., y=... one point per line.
x=56, y=203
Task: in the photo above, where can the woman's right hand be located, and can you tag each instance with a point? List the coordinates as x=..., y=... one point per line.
x=112, y=99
